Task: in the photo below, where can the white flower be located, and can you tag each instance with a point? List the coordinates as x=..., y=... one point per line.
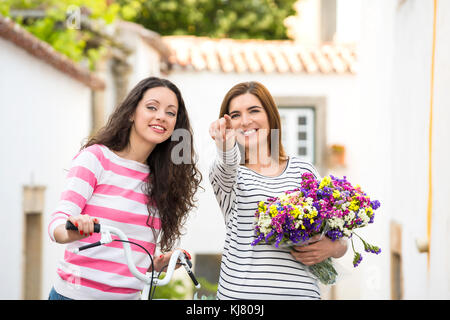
x=364, y=217
x=265, y=223
x=336, y=223
x=284, y=198
x=346, y=232
x=350, y=216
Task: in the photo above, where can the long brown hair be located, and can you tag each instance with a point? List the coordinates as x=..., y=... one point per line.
x=170, y=186
x=261, y=92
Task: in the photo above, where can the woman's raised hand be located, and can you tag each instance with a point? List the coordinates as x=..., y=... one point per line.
x=223, y=133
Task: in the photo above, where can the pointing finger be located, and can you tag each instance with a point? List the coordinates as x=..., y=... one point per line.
x=227, y=121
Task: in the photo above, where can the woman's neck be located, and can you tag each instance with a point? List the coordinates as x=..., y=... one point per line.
x=137, y=151
x=264, y=164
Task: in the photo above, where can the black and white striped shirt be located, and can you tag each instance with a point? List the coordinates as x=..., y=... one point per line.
x=261, y=271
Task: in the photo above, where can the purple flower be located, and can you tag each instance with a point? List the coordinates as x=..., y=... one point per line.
x=279, y=238
x=334, y=234
x=372, y=249
x=258, y=239
x=357, y=258
x=375, y=204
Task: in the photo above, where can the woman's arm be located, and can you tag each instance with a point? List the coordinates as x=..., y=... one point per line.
x=80, y=183
x=223, y=171
x=85, y=225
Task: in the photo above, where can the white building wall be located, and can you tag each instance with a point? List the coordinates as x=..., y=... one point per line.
x=348, y=21
x=369, y=150
x=411, y=106
x=144, y=60
x=45, y=115
x=440, y=239
x=392, y=158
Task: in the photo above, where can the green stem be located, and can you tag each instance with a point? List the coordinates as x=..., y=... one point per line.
x=365, y=243
x=351, y=240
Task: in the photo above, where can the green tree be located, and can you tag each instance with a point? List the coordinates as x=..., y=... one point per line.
x=65, y=24
x=241, y=19
x=56, y=21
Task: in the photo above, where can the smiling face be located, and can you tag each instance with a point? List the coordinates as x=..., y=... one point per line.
x=155, y=116
x=249, y=119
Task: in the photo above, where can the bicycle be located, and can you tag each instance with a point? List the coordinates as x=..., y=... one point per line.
x=150, y=279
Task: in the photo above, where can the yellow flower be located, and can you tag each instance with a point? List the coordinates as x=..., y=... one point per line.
x=336, y=194
x=295, y=212
x=262, y=207
x=354, y=205
x=273, y=210
x=325, y=181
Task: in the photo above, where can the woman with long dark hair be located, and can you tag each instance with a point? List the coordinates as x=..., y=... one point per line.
x=125, y=176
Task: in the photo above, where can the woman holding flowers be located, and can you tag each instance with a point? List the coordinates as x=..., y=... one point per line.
x=124, y=176
x=251, y=166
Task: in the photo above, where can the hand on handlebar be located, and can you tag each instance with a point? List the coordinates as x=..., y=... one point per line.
x=84, y=223
x=162, y=261
x=83, y=227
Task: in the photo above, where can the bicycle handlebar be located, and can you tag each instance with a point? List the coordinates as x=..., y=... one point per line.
x=71, y=226
x=106, y=238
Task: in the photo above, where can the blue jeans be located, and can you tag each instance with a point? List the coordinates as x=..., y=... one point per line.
x=56, y=296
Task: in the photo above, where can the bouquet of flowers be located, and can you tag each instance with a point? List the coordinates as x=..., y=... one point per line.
x=329, y=207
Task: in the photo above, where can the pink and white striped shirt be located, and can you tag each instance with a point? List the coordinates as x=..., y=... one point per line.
x=110, y=188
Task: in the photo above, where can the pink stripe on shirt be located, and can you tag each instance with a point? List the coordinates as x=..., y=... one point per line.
x=58, y=215
x=84, y=174
x=121, y=216
x=121, y=192
x=102, y=265
x=76, y=280
x=74, y=197
x=150, y=246
x=107, y=164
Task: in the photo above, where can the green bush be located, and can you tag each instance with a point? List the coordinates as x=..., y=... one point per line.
x=178, y=290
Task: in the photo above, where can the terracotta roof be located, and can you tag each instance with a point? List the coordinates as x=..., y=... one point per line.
x=11, y=31
x=280, y=56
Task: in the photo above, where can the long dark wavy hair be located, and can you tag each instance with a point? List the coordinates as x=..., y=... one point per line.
x=170, y=186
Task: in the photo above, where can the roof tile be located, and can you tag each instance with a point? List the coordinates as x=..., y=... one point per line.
x=268, y=56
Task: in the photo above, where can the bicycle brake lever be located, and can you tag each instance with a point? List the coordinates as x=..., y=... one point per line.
x=188, y=265
x=105, y=238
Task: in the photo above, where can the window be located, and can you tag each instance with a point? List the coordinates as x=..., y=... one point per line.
x=298, y=126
